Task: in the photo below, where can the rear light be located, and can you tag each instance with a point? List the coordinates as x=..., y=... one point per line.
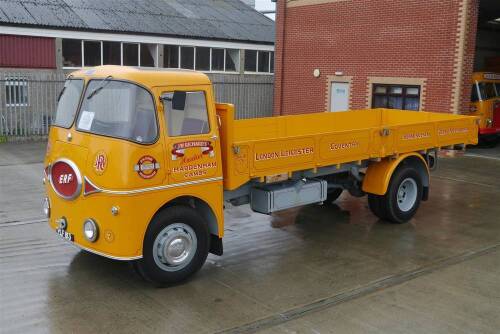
x=65, y=179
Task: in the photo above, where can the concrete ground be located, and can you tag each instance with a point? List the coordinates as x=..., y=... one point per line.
x=317, y=269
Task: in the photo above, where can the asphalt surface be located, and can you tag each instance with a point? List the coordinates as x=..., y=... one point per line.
x=317, y=269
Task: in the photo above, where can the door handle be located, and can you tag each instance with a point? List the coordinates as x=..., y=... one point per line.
x=214, y=137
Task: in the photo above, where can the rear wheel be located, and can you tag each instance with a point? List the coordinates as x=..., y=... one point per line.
x=402, y=199
x=175, y=246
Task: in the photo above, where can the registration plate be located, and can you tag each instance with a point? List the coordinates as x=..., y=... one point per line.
x=65, y=235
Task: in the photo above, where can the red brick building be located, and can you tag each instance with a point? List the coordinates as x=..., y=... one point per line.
x=408, y=54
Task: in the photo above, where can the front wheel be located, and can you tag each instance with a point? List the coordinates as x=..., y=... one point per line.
x=175, y=247
x=402, y=199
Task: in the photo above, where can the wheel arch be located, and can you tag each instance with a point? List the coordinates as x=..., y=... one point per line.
x=214, y=225
x=201, y=206
x=378, y=174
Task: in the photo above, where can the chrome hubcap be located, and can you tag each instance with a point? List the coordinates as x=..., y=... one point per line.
x=174, y=247
x=407, y=194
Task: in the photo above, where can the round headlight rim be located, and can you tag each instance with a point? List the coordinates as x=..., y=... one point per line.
x=95, y=228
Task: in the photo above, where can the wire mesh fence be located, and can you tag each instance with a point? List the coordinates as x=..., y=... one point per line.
x=28, y=100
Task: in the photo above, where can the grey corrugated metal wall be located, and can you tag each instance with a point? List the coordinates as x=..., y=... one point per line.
x=252, y=95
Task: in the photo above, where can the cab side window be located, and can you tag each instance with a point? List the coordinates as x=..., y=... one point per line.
x=186, y=113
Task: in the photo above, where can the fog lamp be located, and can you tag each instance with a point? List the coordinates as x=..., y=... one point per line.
x=90, y=230
x=46, y=207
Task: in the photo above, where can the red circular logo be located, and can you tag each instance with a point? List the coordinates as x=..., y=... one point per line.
x=65, y=179
x=147, y=167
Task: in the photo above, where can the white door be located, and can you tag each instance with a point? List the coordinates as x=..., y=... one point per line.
x=339, y=96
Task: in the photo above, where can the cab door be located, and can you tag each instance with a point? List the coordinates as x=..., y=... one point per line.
x=192, y=134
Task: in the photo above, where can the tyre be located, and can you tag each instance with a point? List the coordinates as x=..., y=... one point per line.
x=402, y=199
x=175, y=246
x=333, y=195
x=376, y=207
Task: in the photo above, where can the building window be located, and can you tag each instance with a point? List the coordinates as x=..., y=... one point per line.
x=202, y=59
x=91, y=53
x=171, y=56
x=232, y=60
x=130, y=54
x=111, y=53
x=149, y=55
x=218, y=59
x=264, y=61
x=259, y=61
x=72, y=52
x=187, y=57
x=250, y=61
x=396, y=97
x=16, y=92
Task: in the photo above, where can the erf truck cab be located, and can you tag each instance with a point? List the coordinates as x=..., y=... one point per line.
x=140, y=163
x=485, y=103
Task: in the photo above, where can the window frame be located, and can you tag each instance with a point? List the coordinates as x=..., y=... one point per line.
x=403, y=95
x=84, y=93
x=12, y=83
x=187, y=90
x=79, y=104
x=257, y=63
x=155, y=58
x=238, y=63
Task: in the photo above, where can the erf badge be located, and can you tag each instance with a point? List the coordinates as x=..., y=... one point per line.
x=147, y=167
x=100, y=162
x=179, y=149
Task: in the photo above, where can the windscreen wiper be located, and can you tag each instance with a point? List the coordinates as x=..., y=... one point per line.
x=103, y=84
x=64, y=88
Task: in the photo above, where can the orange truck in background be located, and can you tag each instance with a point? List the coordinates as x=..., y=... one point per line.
x=485, y=103
x=140, y=163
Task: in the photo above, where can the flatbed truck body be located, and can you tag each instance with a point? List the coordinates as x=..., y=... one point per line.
x=140, y=164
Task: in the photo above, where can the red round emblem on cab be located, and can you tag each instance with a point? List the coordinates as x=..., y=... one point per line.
x=65, y=179
x=147, y=167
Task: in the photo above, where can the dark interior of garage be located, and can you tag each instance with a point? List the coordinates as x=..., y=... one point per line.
x=487, y=56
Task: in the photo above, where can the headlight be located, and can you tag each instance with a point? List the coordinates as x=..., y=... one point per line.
x=46, y=207
x=90, y=230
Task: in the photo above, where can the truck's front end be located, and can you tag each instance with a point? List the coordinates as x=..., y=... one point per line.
x=485, y=103
x=103, y=146
x=133, y=169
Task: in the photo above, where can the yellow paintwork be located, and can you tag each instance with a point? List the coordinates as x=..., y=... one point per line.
x=255, y=148
x=483, y=108
x=121, y=236
x=244, y=150
x=378, y=174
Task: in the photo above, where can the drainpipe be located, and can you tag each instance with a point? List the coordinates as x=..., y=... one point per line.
x=280, y=35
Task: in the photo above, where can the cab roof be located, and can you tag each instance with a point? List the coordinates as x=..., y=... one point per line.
x=486, y=76
x=147, y=77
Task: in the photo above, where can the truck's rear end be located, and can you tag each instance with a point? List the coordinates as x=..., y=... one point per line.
x=260, y=148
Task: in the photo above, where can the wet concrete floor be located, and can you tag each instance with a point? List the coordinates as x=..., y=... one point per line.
x=317, y=269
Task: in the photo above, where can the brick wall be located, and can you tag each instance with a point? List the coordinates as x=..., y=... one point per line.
x=366, y=39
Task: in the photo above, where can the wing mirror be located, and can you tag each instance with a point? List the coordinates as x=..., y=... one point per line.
x=179, y=100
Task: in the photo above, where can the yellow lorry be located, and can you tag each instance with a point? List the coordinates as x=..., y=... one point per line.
x=485, y=103
x=139, y=164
